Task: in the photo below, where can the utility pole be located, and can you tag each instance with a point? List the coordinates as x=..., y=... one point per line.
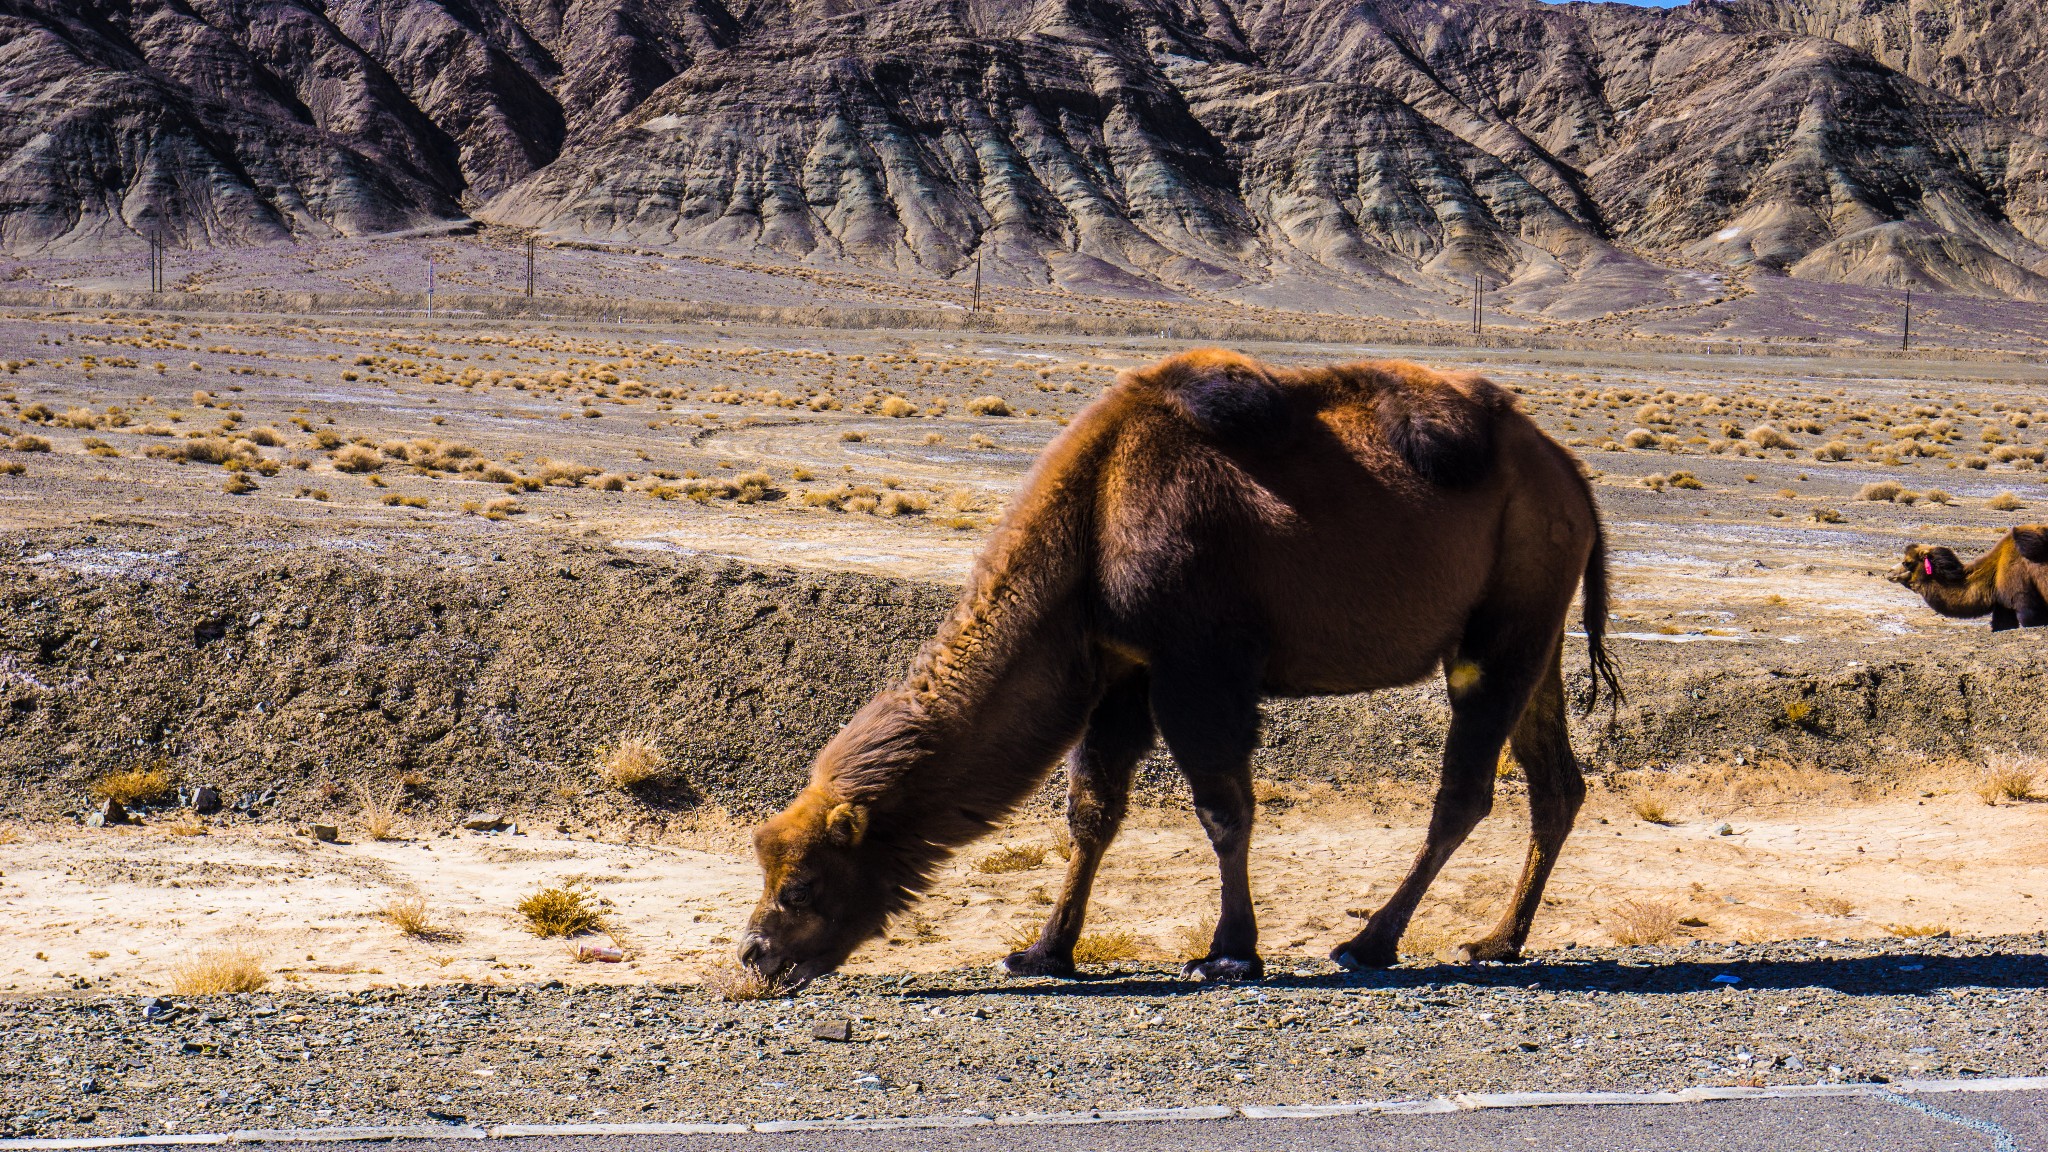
x=1906, y=328
x=977, y=282
x=529, y=267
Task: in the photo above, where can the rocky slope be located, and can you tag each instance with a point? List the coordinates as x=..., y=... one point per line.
x=1346, y=154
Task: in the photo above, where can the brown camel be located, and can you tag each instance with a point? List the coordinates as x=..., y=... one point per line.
x=1214, y=530
x=2008, y=583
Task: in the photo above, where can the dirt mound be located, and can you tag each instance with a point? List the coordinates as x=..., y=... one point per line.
x=315, y=667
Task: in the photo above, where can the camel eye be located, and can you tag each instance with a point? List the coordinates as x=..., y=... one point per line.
x=795, y=894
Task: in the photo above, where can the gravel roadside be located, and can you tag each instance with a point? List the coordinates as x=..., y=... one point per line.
x=1623, y=1019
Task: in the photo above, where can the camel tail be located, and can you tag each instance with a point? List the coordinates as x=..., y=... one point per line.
x=1594, y=612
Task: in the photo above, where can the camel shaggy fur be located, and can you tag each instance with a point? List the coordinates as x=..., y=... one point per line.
x=1211, y=531
x=2008, y=583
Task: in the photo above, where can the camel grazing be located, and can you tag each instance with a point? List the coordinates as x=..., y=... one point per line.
x=2008, y=583
x=1211, y=531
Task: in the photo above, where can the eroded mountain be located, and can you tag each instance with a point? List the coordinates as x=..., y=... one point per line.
x=1300, y=153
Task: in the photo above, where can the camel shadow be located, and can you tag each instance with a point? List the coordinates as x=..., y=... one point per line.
x=1904, y=973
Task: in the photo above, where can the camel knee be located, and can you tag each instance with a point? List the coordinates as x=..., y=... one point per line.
x=1229, y=828
x=1093, y=821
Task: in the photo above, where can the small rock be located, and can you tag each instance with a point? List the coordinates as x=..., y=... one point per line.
x=326, y=833
x=88, y=1086
x=109, y=813
x=1724, y=829
x=484, y=822
x=834, y=1031
x=205, y=799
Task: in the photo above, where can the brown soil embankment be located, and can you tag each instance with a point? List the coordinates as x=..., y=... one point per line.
x=489, y=673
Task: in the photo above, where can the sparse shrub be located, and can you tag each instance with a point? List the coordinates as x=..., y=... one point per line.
x=412, y=916
x=1643, y=922
x=631, y=762
x=27, y=443
x=1106, y=947
x=1826, y=516
x=1881, y=490
x=1640, y=438
x=1831, y=906
x=394, y=500
x=1650, y=809
x=2005, y=502
x=1916, y=931
x=134, y=786
x=1015, y=858
x=1832, y=450
x=12, y=468
x=1685, y=480
x=1937, y=496
x=238, y=485
x=185, y=823
x=980, y=441
x=1765, y=436
x=380, y=811
x=1192, y=940
x=358, y=458
x=852, y=436
x=220, y=972
x=2006, y=779
x=565, y=910
x=989, y=406
x=609, y=482
x=896, y=407
x=902, y=504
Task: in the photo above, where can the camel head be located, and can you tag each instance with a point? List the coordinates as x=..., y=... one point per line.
x=821, y=893
x=1927, y=564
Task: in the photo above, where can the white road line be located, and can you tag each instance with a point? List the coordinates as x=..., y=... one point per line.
x=1900, y=1092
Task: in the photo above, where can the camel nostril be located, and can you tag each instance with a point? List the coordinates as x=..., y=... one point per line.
x=751, y=951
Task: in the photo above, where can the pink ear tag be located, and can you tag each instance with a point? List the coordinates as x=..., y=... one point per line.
x=1927, y=565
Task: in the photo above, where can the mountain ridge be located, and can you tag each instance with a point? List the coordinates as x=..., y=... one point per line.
x=1292, y=153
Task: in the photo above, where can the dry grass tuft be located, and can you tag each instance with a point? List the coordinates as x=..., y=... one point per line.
x=1916, y=931
x=1106, y=947
x=737, y=982
x=412, y=916
x=1641, y=922
x=1887, y=490
x=1015, y=858
x=220, y=972
x=2006, y=779
x=1831, y=906
x=989, y=406
x=2005, y=502
x=631, y=762
x=566, y=910
x=185, y=823
x=134, y=786
x=1650, y=809
x=1191, y=941
x=380, y=811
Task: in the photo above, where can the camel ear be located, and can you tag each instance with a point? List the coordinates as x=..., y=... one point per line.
x=2032, y=541
x=846, y=824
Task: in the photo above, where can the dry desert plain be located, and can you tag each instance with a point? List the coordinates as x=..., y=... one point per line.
x=613, y=584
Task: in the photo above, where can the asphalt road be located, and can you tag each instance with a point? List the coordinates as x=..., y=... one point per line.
x=1962, y=1122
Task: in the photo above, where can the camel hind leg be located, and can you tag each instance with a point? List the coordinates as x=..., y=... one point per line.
x=1490, y=679
x=1208, y=711
x=1556, y=790
x=1099, y=771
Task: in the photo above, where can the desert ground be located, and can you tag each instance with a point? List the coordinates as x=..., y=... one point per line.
x=232, y=544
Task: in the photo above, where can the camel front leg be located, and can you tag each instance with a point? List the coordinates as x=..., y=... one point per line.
x=1098, y=794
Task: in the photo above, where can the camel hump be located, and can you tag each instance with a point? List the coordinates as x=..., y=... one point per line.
x=1443, y=428
x=2032, y=542
x=1230, y=398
